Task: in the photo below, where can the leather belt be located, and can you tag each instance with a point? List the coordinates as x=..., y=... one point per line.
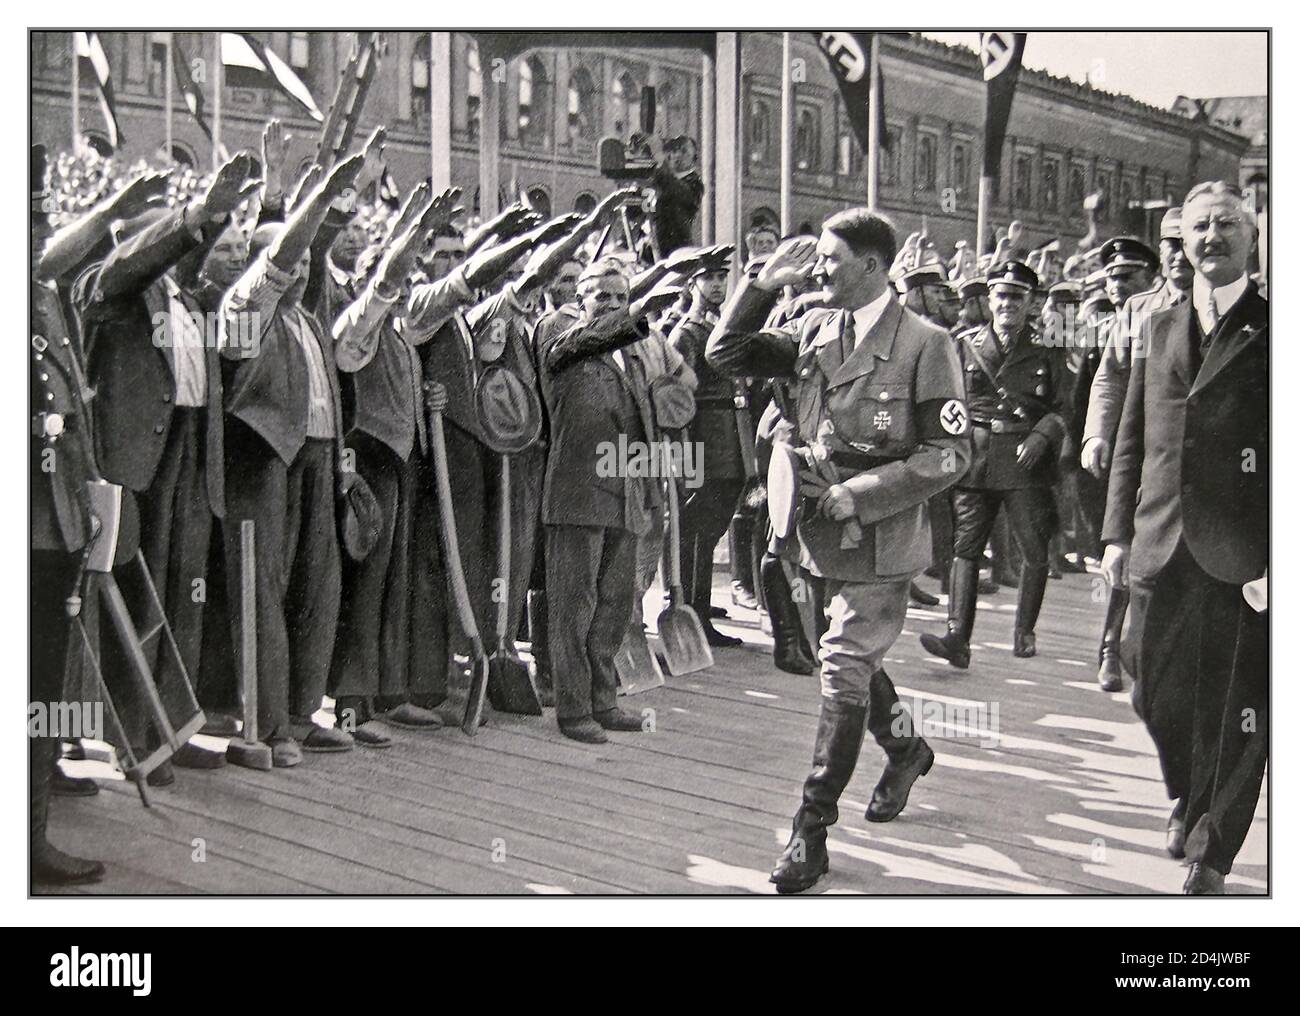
x=1003, y=426
x=859, y=461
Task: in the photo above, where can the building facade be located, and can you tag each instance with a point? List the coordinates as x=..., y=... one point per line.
x=1065, y=141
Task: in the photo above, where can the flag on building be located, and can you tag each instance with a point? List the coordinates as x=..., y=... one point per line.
x=1000, y=56
x=92, y=60
x=190, y=90
x=248, y=64
x=849, y=56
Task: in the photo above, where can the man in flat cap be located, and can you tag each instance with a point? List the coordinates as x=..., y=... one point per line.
x=880, y=426
x=1017, y=395
x=716, y=429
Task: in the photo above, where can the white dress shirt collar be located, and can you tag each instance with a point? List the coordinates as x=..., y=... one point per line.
x=1224, y=298
x=865, y=318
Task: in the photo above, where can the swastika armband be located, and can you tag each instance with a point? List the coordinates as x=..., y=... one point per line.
x=943, y=418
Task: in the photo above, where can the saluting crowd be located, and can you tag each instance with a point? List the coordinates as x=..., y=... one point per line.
x=419, y=417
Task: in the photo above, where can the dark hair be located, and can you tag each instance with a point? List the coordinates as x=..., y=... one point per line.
x=864, y=231
x=679, y=142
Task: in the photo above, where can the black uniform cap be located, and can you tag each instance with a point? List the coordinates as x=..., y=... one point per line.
x=1014, y=273
x=1128, y=252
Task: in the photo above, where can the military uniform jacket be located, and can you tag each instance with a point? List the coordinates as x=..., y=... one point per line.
x=889, y=414
x=714, y=425
x=61, y=455
x=1027, y=393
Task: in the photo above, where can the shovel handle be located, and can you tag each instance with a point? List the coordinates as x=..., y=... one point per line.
x=674, y=542
x=503, y=552
x=248, y=625
x=451, y=547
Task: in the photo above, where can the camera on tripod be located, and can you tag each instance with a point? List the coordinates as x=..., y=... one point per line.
x=632, y=160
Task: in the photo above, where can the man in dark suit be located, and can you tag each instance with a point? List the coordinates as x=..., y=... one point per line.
x=61, y=462
x=1193, y=437
x=153, y=363
x=283, y=460
x=678, y=190
x=596, y=393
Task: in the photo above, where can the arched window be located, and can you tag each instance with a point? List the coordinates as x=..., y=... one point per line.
x=626, y=105
x=473, y=89
x=535, y=106
x=540, y=200
x=927, y=147
x=420, y=75
x=584, y=203
x=584, y=120
x=758, y=131
x=808, y=140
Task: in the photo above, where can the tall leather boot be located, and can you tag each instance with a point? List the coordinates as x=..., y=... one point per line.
x=1033, y=583
x=740, y=536
x=50, y=865
x=907, y=754
x=955, y=646
x=700, y=591
x=790, y=650
x=1109, y=673
x=840, y=729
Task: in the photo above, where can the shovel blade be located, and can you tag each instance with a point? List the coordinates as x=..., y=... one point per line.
x=686, y=650
x=510, y=687
x=478, y=683
x=638, y=670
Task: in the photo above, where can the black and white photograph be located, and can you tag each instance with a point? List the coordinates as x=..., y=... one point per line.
x=648, y=462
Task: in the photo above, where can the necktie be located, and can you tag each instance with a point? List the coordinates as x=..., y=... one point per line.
x=1212, y=311
x=848, y=338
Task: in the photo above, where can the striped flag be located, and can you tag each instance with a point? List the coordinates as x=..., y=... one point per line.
x=249, y=64
x=190, y=89
x=1000, y=56
x=92, y=60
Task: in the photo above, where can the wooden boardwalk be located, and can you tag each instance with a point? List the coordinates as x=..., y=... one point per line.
x=1065, y=797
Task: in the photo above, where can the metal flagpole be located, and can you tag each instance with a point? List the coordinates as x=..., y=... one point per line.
x=787, y=134
x=873, y=125
x=433, y=121
x=981, y=215
x=216, y=106
x=76, y=95
x=167, y=100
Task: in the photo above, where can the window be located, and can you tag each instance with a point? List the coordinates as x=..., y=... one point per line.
x=299, y=50
x=99, y=142
x=673, y=104
x=891, y=156
x=927, y=147
x=808, y=140
x=584, y=203
x=1023, y=180
x=758, y=131
x=848, y=156
x=1102, y=186
x=1126, y=192
x=1049, y=190
x=182, y=156
x=584, y=121
x=473, y=90
x=1078, y=185
x=158, y=63
x=626, y=105
x=960, y=166
x=420, y=75
x=534, y=104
